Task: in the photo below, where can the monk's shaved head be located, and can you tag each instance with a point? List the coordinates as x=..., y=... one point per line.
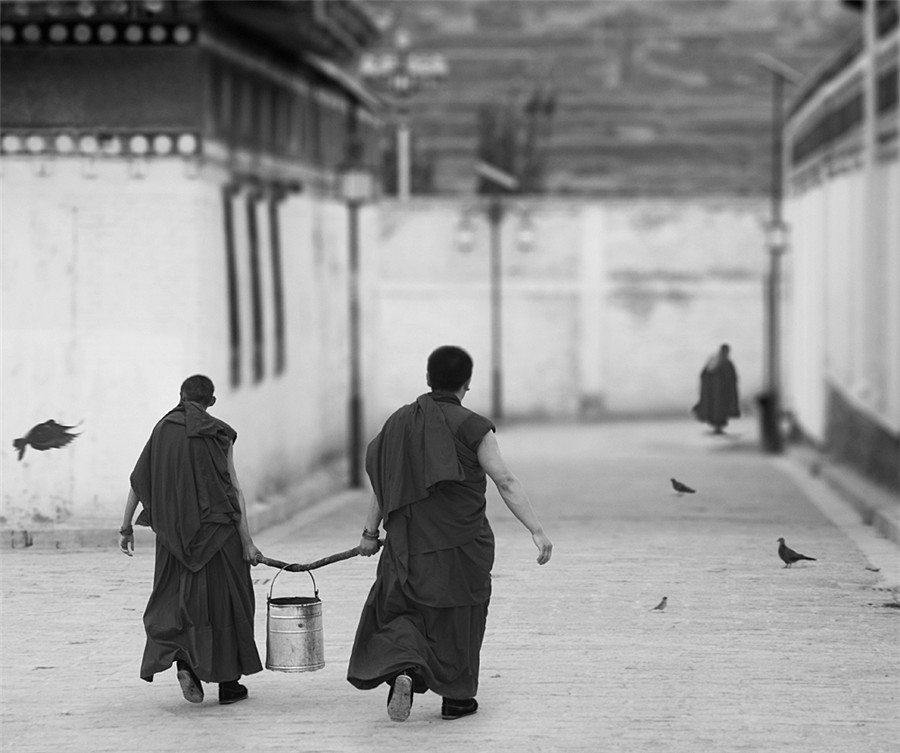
x=449, y=368
x=198, y=389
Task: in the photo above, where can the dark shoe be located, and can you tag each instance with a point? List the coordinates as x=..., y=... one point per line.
x=191, y=688
x=400, y=698
x=452, y=708
x=231, y=692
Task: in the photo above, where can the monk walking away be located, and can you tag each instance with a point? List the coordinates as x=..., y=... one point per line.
x=200, y=613
x=718, y=391
x=423, y=622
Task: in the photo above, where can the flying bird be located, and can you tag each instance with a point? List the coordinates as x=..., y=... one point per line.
x=662, y=605
x=45, y=436
x=682, y=488
x=789, y=556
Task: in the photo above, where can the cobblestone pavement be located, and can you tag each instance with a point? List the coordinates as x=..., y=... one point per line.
x=748, y=656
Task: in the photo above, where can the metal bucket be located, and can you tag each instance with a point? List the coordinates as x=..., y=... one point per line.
x=294, y=637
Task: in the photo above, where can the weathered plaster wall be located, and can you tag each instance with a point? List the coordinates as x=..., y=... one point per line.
x=612, y=309
x=114, y=290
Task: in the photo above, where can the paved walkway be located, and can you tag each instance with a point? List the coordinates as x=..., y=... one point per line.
x=749, y=656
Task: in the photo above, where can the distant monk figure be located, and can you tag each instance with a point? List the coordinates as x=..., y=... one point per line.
x=718, y=392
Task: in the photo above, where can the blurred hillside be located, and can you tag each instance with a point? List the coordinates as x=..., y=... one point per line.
x=653, y=97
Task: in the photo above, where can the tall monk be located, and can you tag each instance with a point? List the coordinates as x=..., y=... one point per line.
x=424, y=619
x=200, y=613
x=718, y=391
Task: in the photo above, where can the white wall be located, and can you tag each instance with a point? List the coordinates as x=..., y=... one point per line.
x=685, y=277
x=114, y=290
x=843, y=294
x=617, y=304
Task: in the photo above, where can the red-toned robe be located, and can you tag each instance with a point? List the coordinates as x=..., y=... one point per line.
x=718, y=393
x=427, y=609
x=202, y=605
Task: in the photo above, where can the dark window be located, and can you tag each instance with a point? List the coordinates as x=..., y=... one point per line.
x=887, y=90
x=828, y=128
x=297, y=126
x=245, y=106
x=255, y=290
x=214, y=96
x=234, y=313
x=277, y=282
x=276, y=129
x=235, y=123
x=262, y=111
x=286, y=115
x=315, y=129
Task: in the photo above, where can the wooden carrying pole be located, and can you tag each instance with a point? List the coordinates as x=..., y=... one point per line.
x=299, y=568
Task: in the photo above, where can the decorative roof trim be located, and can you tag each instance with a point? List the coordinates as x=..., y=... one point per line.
x=79, y=33
x=35, y=142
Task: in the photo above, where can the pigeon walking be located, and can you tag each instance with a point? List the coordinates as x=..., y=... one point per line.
x=44, y=437
x=662, y=605
x=789, y=556
x=681, y=488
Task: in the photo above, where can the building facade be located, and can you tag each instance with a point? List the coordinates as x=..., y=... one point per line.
x=843, y=286
x=169, y=174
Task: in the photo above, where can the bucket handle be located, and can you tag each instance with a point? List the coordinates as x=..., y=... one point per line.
x=315, y=587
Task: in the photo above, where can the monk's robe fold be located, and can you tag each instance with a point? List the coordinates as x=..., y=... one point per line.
x=428, y=606
x=202, y=606
x=184, y=485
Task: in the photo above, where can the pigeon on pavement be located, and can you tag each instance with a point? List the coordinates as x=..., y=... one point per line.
x=789, y=556
x=681, y=488
x=662, y=605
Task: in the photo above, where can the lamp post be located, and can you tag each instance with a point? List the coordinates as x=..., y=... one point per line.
x=495, y=210
x=495, y=213
x=402, y=72
x=356, y=188
x=499, y=181
x=776, y=245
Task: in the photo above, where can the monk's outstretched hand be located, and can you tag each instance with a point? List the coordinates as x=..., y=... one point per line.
x=545, y=547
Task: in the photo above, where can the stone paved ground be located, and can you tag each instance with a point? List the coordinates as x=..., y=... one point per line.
x=749, y=656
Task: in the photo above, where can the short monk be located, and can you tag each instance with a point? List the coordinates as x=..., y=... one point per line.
x=200, y=613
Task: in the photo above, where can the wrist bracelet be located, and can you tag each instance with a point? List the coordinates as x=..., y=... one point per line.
x=126, y=531
x=367, y=534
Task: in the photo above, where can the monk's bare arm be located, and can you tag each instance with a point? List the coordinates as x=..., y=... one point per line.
x=513, y=494
x=251, y=553
x=130, y=506
x=369, y=546
x=126, y=541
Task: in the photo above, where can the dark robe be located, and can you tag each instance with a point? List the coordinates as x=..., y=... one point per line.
x=718, y=393
x=427, y=609
x=201, y=609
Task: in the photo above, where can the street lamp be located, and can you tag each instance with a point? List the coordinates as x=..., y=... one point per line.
x=499, y=181
x=495, y=212
x=403, y=72
x=776, y=245
x=356, y=187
